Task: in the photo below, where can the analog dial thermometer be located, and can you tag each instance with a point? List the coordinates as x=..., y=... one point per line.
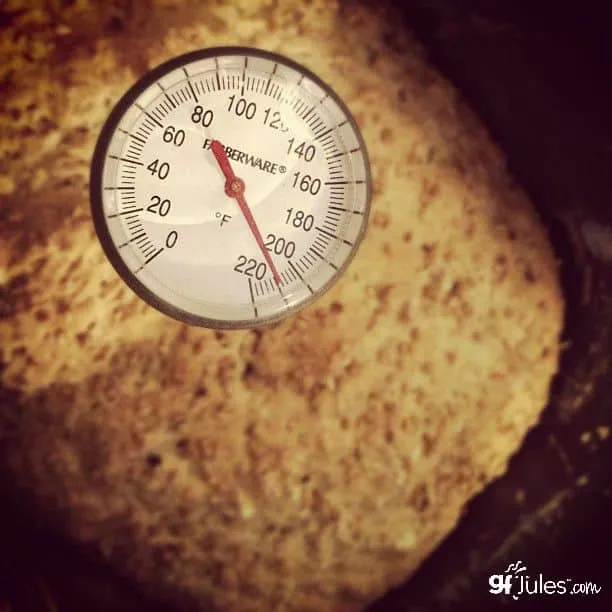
x=230, y=187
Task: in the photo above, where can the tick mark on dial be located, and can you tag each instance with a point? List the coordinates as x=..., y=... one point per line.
x=326, y=233
x=316, y=252
x=321, y=256
x=321, y=242
x=152, y=257
x=217, y=74
x=274, y=69
x=124, y=212
x=193, y=93
x=322, y=133
x=138, y=237
x=246, y=63
x=125, y=159
x=341, y=209
x=170, y=100
x=253, y=299
x=300, y=276
x=308, y=113
x=308, y=257
x=139, y=139
x=149, y=115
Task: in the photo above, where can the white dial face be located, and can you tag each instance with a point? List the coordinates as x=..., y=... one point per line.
x=230, y=187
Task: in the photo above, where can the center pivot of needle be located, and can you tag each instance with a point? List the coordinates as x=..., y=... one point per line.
x=234, y=187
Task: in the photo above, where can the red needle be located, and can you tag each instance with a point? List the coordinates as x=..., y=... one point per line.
x=234, y=188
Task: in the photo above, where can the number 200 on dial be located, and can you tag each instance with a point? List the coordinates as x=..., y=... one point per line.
x=230, y=187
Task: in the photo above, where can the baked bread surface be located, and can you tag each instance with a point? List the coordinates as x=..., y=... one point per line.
x=312, y=465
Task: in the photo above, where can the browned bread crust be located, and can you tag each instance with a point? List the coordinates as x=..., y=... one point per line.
x=306, y=467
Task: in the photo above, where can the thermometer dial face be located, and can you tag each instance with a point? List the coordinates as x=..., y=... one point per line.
x=230, y=187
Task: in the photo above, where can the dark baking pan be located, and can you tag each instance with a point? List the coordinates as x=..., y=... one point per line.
x=538, y=75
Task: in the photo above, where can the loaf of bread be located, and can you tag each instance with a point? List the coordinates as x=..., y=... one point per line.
x=306, y=467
